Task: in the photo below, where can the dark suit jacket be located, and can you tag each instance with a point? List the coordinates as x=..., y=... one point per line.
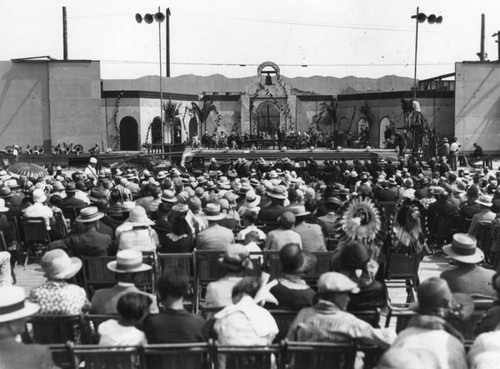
x=72, y=202
x=389, y=194
x=271, y=213
x=90, y=243
x=470, y=278
x=20, y=356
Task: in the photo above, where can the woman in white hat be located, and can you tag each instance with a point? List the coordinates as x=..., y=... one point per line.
x=14, y=309
x=56, y=295
x=136, y=232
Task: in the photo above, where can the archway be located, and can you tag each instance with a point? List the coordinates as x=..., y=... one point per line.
x=362, y=125
x=156, y=131
x=129, y=134
x=177, y=130
x=384, y=124
x=193, y=127
x=268, y=118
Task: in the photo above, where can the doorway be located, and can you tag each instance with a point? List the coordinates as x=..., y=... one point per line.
x=129, y=134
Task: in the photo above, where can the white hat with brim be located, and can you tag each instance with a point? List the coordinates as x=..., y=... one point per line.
x=13, y=305
x=89, y=214
x=3, y=208
x=212, y=212
x=252, y=199
x=464, y=249
x=128, y=261
x=56, y=264
x=485, y=200
x=138, y=216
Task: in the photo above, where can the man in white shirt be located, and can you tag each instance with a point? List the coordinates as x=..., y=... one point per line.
x=38, y=209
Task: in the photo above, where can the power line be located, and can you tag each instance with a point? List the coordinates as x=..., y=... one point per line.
x=281, y=65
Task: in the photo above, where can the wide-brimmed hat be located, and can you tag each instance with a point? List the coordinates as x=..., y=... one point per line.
x=336, y=282
x=485, y=200
x=13, y=304
x=434, y=295
x=236, y=258
x=210, y=185
x=464, y=248
x=56, y=264
x=224, y=183
x=97, y=193
x=89, y=214
x=168, y=196
x=39, y=195
x=212, y=212
x=277, y=192
x=293, y=260
x=3, y=208
x=128, y=261
x=252, y=199
x=299, y=210
x=139, y=216
x=70, y=187
x=11, y=183
x=6, y=192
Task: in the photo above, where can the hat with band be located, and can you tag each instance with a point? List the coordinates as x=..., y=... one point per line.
x=128, y=261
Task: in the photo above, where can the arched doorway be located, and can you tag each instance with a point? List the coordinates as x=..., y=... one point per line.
x=156, y=131
x=129, y=134
x=177, y=130
x=384, y=124
x=193, y=127
x=268, y=118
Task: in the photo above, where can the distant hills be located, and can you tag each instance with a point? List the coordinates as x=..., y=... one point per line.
x=196, y=85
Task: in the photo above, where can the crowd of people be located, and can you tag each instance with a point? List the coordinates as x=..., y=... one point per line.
x=360, y=212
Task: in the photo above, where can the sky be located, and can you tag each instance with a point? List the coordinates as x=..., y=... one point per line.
x=362, y=38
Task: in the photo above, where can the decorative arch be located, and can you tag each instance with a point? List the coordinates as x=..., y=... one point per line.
x=129, y=134
x=344, y=124
x=268, y=118
x=384, y=124
x=156, y=131
x=193, y=127
x=362, y=124
x=269, y=64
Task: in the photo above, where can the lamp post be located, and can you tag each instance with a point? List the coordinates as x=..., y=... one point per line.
x=420, y=18
x=160, y=17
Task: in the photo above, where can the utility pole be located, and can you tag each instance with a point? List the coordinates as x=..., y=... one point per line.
x=481, y=54
x=65, y=34
x=497, y=35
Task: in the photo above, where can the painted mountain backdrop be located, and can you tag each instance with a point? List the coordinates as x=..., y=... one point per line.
x=192, y=84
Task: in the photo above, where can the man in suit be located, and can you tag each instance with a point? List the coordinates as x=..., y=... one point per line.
x=88, y=241
x=272, y=212
x=70, y=201
x=13, y=313
x=390, y=191
x=441, y=208
x=127, y=266
x=467, y=276
x=214, y=237
x=484, y=216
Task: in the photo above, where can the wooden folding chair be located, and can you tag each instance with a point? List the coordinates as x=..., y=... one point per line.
x=50, y=329
x=36, y=236
x=320, y=355
x=177, y=355
x=246, y=357
x=103, y=357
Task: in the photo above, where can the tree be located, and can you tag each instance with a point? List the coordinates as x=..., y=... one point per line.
x=327, y=114
x=202, y=113
x=170, y=110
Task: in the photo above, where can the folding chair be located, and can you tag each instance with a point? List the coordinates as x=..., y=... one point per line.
x=36, y=236
x=319, y=355
x=485, y=240
x=50, y=329
x=96, y=274
x=92, y=322
x=207, y=268
x=177, y=355
x=70, y=215
x=102, y=357
x=60, y=225
x=466, y=327
x=401, y=271
x=284, y=319
x=322, y=266
x=246, y=357
x=61, y=356
x=184, y=261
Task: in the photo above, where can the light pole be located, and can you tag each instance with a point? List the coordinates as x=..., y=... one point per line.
x=420, y=18
x=160, y=17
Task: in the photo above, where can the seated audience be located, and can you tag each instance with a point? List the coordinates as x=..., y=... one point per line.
x=284, y=234
x=136, y=232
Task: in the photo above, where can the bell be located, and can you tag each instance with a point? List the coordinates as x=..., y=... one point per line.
x=269, y=80
x=439, y=19
x=431, y=19
x=138, y=18
x=159, y=17
x=421, y=17
x=148, y=18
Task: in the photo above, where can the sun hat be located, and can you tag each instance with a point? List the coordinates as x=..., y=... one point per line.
x=93, y=160
x=3, y=208
x=13, y=304
x=212, y=212
x=138, y=215
x=354, y=255
x=97, y=193
x=236, y=258
x=293, y=260
x=464, y=248
x=89, y=214
x=224, y=183
x=56, y=264
x=57, y=186
x=168, y=196
x=11, y=183
x=485, y=200
x=39, y=195
x=252, y=199
x=336, y=282
x=277, y=192
x=434, y=295
x=128, y=261
x=6, y=192
x=299, y=211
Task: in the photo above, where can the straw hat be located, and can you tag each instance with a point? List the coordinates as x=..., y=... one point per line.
x=464, y=248
x=252, y=199
x=39, y=195
x=299, y=211
x=168, y=196
x=89, y=214
x=138, y=216
x=485, y=200
x=13, y=304
x=3, y=208
x=277, y=192
x=212, y=212
x=236, y=258
x=128, y=261
x=56, y=264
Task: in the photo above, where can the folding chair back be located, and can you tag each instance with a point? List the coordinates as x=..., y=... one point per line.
x=96, y=274
x=177, y=356
x=35, y=234
x=103, y=357
x=60, y=225
x=284, y=319
x=14, y=228
x=335, y=355
x=92, y=322
x=246, y=357
x=322, y=266
x=50, y=329
x=70, y=214
x=3, y=243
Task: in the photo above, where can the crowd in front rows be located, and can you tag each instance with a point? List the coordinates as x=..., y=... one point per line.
x=371, y=211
